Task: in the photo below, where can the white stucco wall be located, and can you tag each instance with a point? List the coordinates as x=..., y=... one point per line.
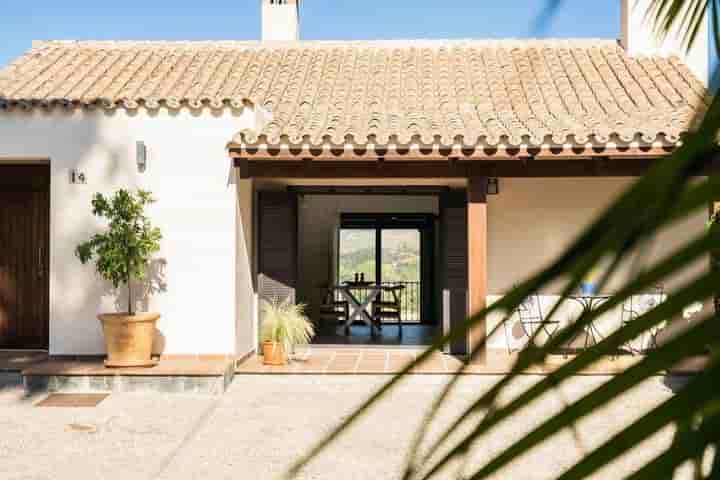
x=280, y=20
x=206, y=214
x=201, y=209
x=531, y=222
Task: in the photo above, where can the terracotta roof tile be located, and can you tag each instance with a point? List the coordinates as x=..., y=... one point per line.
x=464, y=92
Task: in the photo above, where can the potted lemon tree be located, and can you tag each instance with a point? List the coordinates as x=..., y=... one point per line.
x=122, y=254
x=284, y=325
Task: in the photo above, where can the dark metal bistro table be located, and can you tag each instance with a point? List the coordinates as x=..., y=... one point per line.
x=589, y=302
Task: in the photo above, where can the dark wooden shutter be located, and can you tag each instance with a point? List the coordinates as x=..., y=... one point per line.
x=24, y=256
x=277, y=245
x=453, y=251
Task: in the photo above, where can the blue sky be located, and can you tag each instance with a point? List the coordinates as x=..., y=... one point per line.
x=22, y=22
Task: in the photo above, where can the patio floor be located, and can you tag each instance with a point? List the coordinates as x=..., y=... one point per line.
x=347, y=361
x=264, y=422
x=341, y=360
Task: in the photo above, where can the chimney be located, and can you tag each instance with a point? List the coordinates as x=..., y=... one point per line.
x=638, y=37
x=280, y=20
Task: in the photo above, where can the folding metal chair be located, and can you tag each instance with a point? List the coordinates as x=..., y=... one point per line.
x=637, y=305
x=532, y=319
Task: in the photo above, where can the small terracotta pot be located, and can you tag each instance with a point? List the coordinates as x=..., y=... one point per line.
x=129, y=339
x=274, y=353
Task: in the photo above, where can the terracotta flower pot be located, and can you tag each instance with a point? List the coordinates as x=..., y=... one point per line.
x=129, y=339
x=274, y=354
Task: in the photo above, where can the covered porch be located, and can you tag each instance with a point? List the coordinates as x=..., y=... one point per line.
x=497, y=219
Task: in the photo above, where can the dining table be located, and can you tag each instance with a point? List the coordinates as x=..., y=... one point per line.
x=359, y=307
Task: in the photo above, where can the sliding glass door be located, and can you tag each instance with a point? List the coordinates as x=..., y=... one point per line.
x=401, y=263
x=357, y=254
x=390, y=249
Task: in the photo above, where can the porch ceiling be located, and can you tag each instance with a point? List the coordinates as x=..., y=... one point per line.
x=401, y=172
x=281, y=183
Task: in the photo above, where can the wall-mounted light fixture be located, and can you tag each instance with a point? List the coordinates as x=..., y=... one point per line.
x=141, y=155
x=493, y=186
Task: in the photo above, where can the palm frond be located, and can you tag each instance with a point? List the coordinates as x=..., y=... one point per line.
x=686, y=16
x=675, y=352
x=651, y=365
x=665, y=195
x=697, y=395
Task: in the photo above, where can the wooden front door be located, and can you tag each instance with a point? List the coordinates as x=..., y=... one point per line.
x=24, y=256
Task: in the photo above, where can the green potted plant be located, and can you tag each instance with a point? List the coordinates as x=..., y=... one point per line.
x=284, y=325
x=122, y=254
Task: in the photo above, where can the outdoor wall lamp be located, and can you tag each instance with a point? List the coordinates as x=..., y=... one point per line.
x=141, y=155
x=493, y=186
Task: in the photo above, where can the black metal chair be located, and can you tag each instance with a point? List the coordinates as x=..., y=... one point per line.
x=388, y=306
x=333, y=310
x=532, y=319
x=635, y=306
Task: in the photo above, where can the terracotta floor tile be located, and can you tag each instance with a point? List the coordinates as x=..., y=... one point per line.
x=374, y=364
x=434, y=364
x=279, y=368
x=248, y=367
x=345, y=359
x=453, y=364
x=166, y=367
x=344, y=363
x=388, y=361
x=179, y=356
x=213, y=358
x=315, y=360
x=481, y=369
x=375, y=355
x=397, y=362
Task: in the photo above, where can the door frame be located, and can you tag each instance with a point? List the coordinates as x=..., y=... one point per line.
x=34, y=177
x=425, y=224
x=442, y=313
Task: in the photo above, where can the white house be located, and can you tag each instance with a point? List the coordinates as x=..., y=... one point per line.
x=258, y=152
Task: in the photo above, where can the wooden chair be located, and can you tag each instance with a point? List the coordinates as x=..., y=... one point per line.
x=388, y=306
x=333, y=310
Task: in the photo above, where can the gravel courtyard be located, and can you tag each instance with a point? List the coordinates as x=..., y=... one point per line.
x=264, y=422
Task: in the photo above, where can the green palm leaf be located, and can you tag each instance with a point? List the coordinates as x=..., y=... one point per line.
x=668, y=193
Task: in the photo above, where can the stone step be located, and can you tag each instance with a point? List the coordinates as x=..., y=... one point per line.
x=191, y=375
x=204, y=385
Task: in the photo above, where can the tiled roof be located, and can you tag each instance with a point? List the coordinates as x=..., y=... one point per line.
x=444, y=92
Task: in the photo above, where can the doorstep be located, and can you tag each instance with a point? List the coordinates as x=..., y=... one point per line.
x=374, y=361
x=200, y=374
x=15, y=361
